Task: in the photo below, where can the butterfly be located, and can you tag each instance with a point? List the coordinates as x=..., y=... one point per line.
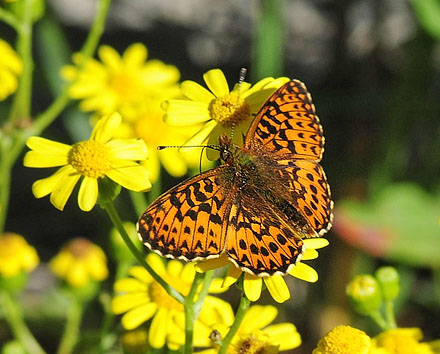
x=260, y=203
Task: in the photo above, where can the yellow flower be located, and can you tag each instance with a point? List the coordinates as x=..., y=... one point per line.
x=118, y=83
x=10, y=68
x=256, y=335
x=275, y=284
x=150, y=127
x=403, y=341
x=219, y=109
x=141, y=298
x=135, y=341
x=16, y=255
x=92, y=159
x=80, y=262
x=344, y=340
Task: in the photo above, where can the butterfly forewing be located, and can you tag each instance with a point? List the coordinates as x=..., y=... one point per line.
x=287, y=124
x=187, y=222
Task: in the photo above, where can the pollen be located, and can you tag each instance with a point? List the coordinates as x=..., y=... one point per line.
x=255, y=343
x=230, y=109
x=90, y=158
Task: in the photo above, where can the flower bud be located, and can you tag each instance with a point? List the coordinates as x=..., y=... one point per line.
x=388, y=280
x=364, y=293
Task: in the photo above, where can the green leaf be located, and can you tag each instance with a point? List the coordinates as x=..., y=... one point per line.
x=428, y=14
x=401, y=223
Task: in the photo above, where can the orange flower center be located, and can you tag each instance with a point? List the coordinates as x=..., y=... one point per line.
x=229, y=110
x=90, y=158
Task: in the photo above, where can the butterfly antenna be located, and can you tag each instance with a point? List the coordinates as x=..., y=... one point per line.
x=213, y=147
x=241, y=78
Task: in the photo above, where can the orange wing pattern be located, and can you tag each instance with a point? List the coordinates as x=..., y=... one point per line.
x=188, y=221
x=261, y=238
x=309, y=185
x=287, y=124
x=261, y=203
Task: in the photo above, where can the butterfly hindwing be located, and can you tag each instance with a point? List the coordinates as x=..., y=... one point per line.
x=261, y=239
x=187, y=222
x=309, y=187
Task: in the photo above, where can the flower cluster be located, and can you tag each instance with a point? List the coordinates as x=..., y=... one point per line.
x=349, y=340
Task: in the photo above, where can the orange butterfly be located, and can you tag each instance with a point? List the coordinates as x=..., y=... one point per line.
x=257, y=206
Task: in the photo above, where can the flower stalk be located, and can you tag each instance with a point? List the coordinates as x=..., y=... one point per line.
x=117, y=223
x=71, y=330
x=241, y=311
x=15, y=319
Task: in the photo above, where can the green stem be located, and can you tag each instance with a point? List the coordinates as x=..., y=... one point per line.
x=389, y=315
x=97, y=29
x=379, y=320
x=5, y=183
x=241, y=311
x=269, y=39
x=14, y=317
x=207, y=280
x=114, y=217
x=21, y=106
x=190, y=313
x=9, y=19
x=71, y=331
x=436, y=280
x=139, y=202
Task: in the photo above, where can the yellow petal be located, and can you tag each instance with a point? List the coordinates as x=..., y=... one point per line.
x=183, y=113
x=285, y=335
x=200, y=137
x=157, y=263
x=36, y=159
x=130, y=175
x=141, y=273
x=139, y=315
x=77, y=275
x=88, y=193
x=45, y=186
x=110, y=57
x=126, y=302
x=159, y=328
x=252, y=286
x=232, y=276
x=63, y=189
x=188, y=272
x=130, y=285
x=258, y=317
x=196, y=92
x=213, y=263
x=135, y=55
x=128, y=149
x=304, y=272
x=277, y=288
x=216, y=81
x=174, y=268
x=309, y=254
x=46, y=146
x=106, y=127
x=315, y=243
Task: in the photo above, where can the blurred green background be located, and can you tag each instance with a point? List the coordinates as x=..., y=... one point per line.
x=373, y=69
